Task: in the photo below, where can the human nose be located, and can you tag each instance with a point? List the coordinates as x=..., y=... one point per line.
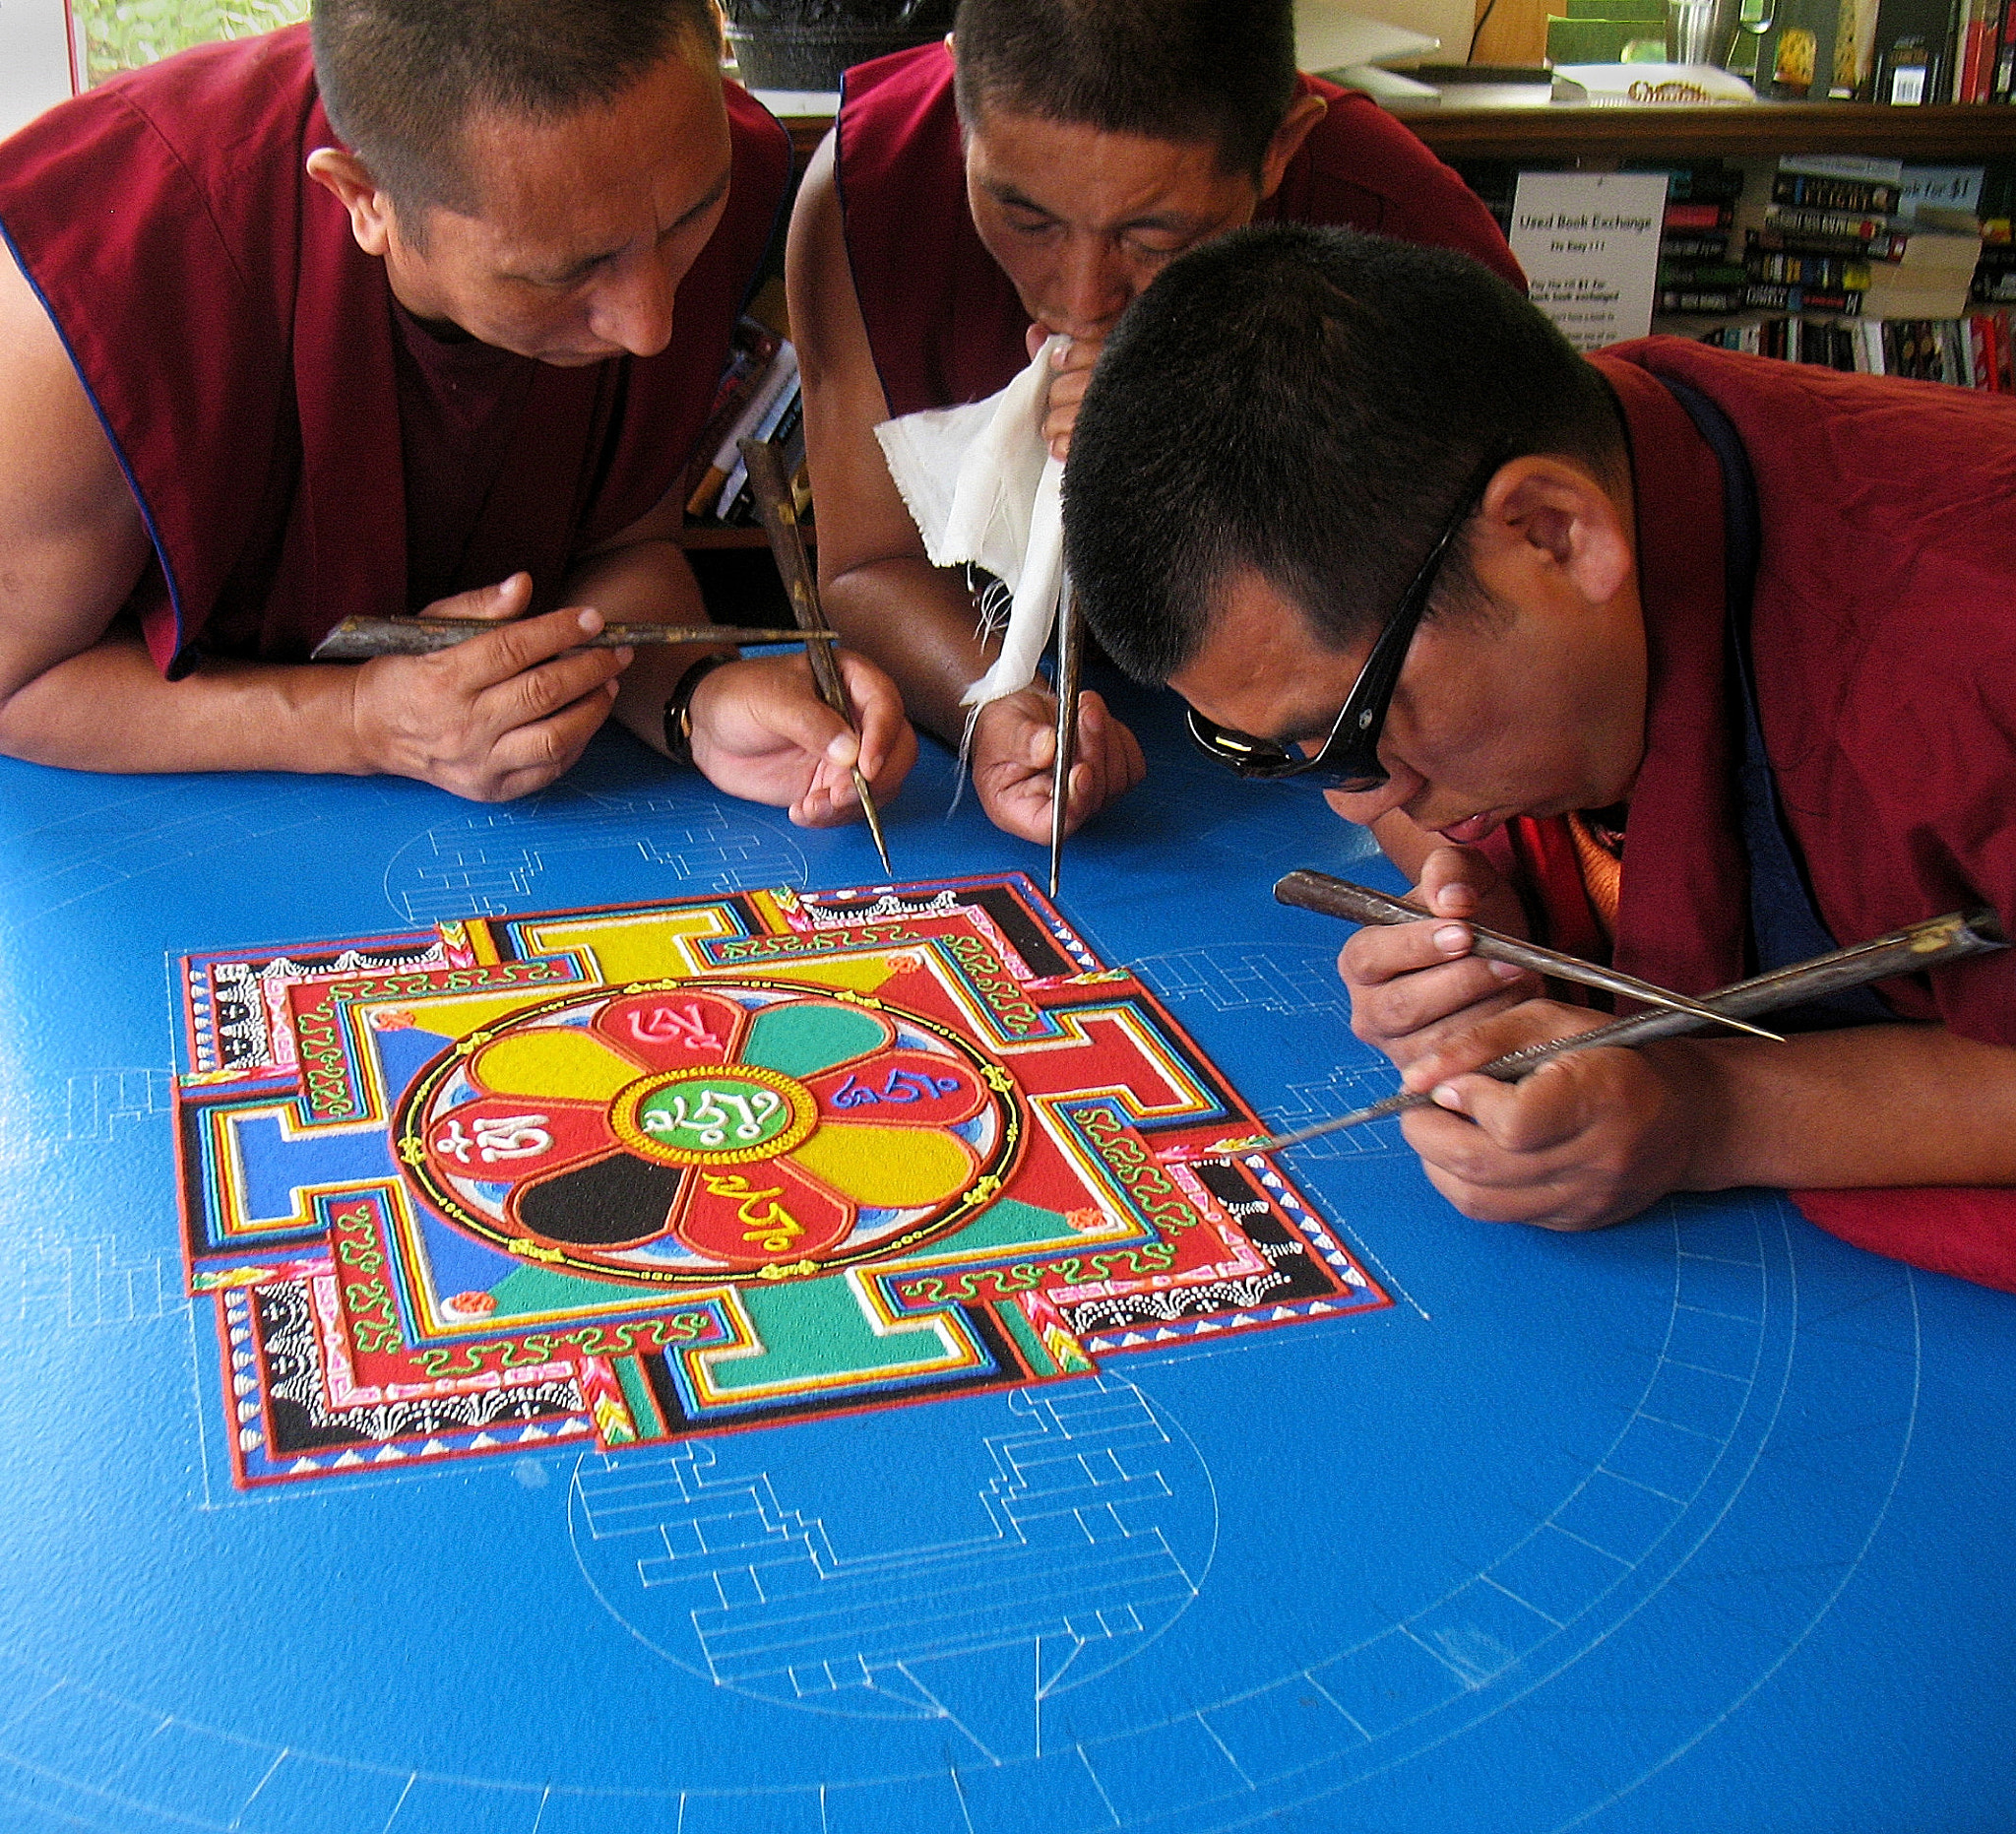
x=1095, y=288
x=633, y=309
x=1365, y=806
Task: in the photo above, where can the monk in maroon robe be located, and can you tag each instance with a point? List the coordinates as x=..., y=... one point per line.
x=422, y=316
x=1029, y=180
x=1716, y=672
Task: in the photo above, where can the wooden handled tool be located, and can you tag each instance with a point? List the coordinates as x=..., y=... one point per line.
x=772, y=491
x=1906, y=951
x=1070, y=652
x=1359, y=904
x=359, y=639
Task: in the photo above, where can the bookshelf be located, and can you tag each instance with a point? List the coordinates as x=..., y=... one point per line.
x=1604, y=138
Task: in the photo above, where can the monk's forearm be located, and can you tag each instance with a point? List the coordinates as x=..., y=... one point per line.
x=1872, y=1105
x=920, y=625
x=109, y=709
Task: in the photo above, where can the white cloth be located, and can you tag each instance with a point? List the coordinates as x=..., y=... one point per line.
x=983, y=490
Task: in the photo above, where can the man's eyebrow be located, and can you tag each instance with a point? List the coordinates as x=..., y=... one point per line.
x=1013, y=197
x=589, y=263
x=1176, y=223
x=715, y=193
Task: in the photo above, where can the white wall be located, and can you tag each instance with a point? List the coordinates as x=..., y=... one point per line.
x=35, y=59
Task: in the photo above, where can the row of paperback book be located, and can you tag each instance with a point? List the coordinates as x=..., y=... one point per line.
x=759, y=397
x=1972, y=352
x=1884, y=243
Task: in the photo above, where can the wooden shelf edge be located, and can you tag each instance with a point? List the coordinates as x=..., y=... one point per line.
x=1734, y=130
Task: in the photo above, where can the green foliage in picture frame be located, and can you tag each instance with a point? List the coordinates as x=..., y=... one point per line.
x=122, y=34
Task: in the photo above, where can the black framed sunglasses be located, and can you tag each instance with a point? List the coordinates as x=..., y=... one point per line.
x=1349, y=759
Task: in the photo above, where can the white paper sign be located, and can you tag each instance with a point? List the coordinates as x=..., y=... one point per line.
x=1589, y=242
x=35, y=59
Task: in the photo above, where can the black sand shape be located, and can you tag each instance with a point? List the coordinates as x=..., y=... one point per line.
x=617, y=1202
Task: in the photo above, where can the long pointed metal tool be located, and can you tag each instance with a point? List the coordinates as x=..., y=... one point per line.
x=1359, y=904
x=358, y=639
x=1907, y=951
x=1070, y=655
x=772, y=491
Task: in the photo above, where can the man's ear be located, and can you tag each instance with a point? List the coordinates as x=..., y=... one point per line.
x=1295, y=126
x=347, y=179
x=1552, y=513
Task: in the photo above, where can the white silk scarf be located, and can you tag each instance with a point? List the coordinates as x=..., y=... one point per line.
x=984, y=490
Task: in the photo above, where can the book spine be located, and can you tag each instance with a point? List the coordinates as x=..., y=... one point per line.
x=1700, y=274
x=1701, y=300
x=1811, y=243
x=1829, y=272
x=782, y=375
x=738, y=497
x=1797, y=220
x=1968, y=61
x=1686, y=247
x=1772, y=298
x=1700, y=215
x=1816, y=192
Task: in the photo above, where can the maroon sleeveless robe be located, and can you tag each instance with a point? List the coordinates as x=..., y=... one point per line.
x=239, y=350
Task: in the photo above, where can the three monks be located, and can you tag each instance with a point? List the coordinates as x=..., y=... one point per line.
x=420, y=312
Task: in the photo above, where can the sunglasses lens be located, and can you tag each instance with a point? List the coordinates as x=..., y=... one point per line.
x=1263, y=760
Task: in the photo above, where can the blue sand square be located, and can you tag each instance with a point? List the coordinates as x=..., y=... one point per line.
x=1718, y=1287
x=20, y=1689
x=575, y=1811
x=70, y=1732
x=916, y=1805
x=1795, y=1529
x=22, y=1817
x=1709, y=1341
x=1281, y=1728
x=454, y=1806
x=1620, y=1518
x=795, y=1812
x=1387, y=1682
x=1480, y=1631
x=28, y=1802
x=1704, y=1399
x=1721, y=1238
x=1663, y=1458
x=1506, y=1779
x=999, y=1797
x=308, y=1795
x=1167, y=1767
x=1557, y=1574
x=1871, y=1319
x=184, y=1771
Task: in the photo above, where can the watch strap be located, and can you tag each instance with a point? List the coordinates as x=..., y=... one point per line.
x=679, y=706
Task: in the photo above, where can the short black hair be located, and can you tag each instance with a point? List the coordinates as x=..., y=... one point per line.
x=1217, y=71
x=1306, y=404
x=401, y=77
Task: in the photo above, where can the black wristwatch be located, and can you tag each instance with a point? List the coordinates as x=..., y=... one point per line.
x=679, y=708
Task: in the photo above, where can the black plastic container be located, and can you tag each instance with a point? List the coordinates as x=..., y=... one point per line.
x=804, y=44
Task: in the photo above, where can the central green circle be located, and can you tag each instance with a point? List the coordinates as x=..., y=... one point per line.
x=714, y=1113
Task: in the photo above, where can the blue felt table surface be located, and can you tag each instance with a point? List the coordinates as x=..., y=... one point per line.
x=1701, y=1524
